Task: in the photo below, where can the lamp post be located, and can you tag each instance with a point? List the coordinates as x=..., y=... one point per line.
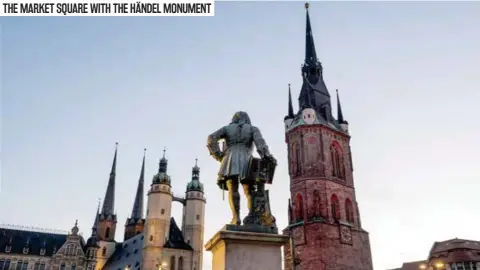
x=162, y=266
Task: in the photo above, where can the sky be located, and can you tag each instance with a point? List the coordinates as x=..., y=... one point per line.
x=407, y=73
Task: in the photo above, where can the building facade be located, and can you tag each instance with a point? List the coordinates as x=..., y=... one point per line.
x=324, y=217
x=453, y=254
x=151, y=242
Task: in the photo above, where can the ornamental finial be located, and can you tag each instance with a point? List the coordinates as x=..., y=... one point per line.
x=307, y=5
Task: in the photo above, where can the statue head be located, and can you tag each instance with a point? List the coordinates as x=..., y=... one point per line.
x=241, y=118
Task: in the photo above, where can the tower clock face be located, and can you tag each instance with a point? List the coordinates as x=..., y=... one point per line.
x=309, y=116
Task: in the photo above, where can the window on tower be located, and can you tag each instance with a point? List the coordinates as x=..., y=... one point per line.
x=104, y=251
x=180, y=263
x=107, y=232
x=316, y=203
x=335, y=207
x=349, y=211
x=298, y=207
x=338, y=166
x=172, y=263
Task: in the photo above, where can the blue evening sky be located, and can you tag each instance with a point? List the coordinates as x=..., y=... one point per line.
x=407, y=74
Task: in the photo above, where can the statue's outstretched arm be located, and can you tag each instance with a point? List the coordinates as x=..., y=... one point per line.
x=260, y=144
x=212, y=143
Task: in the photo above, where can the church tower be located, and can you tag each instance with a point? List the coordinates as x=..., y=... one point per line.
x=194, y=217
x=107, y=220
x=157, y=224
x=92, y=243
x=324, y=218
x=134, y=224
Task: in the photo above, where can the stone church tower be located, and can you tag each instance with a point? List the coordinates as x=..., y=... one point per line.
x=324, y=218
x=157, y=224
x=194, y=217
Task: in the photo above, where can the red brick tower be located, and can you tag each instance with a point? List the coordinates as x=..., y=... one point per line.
x=324, y=218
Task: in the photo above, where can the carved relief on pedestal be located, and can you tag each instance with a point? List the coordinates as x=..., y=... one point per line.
x=345, y=235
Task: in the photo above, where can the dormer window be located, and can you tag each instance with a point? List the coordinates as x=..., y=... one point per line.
x=42, y=251
x=8, y=249
x=25, y=250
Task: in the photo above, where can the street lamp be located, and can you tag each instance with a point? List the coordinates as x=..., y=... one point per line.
x=439, y=265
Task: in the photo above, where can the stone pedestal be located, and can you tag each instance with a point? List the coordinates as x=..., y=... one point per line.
x=243, y=250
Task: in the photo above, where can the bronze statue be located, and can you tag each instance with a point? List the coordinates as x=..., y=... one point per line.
x=236, y=168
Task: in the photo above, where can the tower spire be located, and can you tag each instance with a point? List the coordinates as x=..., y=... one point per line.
x=314, y=93
x=137, y=210
x=290, y=114
x=195, y=184
x=95, y=223
x=340, y=118
x=310, y=52
x=163, y=162
x=109, y=200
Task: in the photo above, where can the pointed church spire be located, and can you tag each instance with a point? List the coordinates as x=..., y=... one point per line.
x=290, y=114
x=310, y=52
x=137, y=211
x=95, y=223
x=109, y=200
x=339, y=111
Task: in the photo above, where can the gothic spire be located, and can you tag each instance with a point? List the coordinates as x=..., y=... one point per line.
x=339, y=111
x=137, y=210
x=310, y=52
x=314, y=93
x=109, y=201
x=95, y=223
x=290, y=114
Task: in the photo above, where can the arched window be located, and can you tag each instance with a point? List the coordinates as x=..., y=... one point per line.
x=298, y=207
x=107, y=232
x=104, y=251
x=35, y=267
x=172, y=263
x=42, y=266
x=297, y=159
x=316, y=203
x=73, y=267
x=335, y=207
x=25, y=265
x=338, y=166
x=62, y=266
x=180, y=263
x=349, y=211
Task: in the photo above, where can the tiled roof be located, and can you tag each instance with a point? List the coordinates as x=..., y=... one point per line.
x=455, y=244
x=412, y=265
x=176, y=240
x=129, y=253
x=35, y=241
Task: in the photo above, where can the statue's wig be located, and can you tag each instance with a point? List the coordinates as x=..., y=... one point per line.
x=241, y=118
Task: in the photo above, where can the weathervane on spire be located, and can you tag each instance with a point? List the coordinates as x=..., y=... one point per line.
x=307, y=5
x=164, y=150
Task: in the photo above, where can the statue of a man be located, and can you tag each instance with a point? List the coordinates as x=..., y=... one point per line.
x=240, y=136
